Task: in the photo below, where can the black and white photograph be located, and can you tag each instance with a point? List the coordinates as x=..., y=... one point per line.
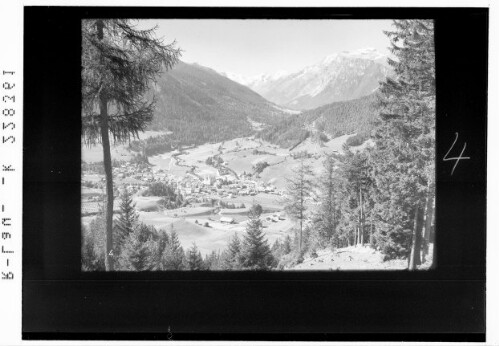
x=270, y=145
x=248, y=173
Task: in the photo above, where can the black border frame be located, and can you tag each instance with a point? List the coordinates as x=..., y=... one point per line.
x=446, y=303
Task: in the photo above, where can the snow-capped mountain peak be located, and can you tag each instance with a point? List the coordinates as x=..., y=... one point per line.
x=259, y=78
x=364, y=53
x=339, y=76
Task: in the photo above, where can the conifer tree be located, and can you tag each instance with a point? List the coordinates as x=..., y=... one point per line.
x=356, y=170
x=276, y=249
x=299, y=189
x=127, y=220
x=194, y=258
x=163, y=243
x=139, y=251
x=286, y=245
x=212, y=261
x=173, y=257
x=231, y=257
x=403, y=159
x=96, y=234
x=118, y=64
x=90, y=259
x=328, y=214
x=255, y=251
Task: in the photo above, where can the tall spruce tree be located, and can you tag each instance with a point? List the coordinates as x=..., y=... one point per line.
x=299, y=189
x=403, y=160
x=118, y=64
x=255, y=251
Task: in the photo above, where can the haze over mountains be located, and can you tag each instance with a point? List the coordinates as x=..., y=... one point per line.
x=338, y=77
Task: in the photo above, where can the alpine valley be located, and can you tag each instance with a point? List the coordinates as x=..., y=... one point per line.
x=236, y=140
x=327, y=167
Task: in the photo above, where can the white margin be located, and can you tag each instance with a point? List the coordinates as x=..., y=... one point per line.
x=11, y=54
x=11, y=59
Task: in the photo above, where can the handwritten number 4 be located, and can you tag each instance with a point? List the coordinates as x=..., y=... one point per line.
x=458, y=158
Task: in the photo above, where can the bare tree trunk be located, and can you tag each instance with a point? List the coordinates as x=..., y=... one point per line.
x=333, y=224
x=108, y=169
x=301, y=235
x=415, y=256
x=371, y=238
x=428, y=221
x=302, y=201
x=357, y=235
x=435, y=253
x=144, y=153
x=361, y=218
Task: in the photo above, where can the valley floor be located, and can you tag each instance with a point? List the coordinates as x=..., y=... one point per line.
x=205, y=225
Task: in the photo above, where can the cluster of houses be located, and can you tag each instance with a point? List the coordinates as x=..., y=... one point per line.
x=136, y=177
x=223, y=186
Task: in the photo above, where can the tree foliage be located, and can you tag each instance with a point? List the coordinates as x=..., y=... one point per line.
x=139, y=251
x=403, y=162
x=92, y=258
x=336, y=119
x=126, y=221
x=383, y=195
x=194, y=258
x=173, y=256
x=255, y=251
x=328, y=216
x=118, y=64
x=299, y=190
x=231, y=258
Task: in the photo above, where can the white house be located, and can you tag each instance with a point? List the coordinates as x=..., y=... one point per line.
x=229, y=220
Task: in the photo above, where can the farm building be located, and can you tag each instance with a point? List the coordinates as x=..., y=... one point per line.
x=229, y=220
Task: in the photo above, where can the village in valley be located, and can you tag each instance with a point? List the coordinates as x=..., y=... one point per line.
x=218, y=184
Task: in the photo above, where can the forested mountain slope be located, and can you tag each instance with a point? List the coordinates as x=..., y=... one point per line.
x=199, y=105
x=335, y=119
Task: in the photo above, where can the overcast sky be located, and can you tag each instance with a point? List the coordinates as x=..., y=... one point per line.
x=250, y=47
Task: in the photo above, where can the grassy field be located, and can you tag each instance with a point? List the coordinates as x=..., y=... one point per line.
x=216, y=236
